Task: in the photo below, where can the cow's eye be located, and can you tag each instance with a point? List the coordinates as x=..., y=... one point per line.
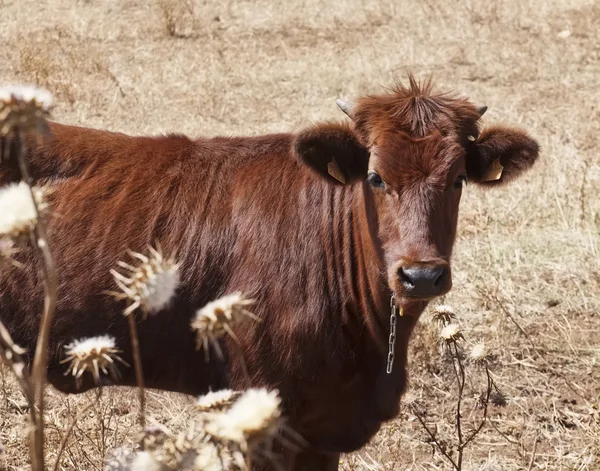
x=375, y=180
x=460, y=181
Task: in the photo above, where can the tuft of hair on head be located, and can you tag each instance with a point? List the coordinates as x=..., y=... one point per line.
x=150, y=285
x=93, y=355
x=217, y=319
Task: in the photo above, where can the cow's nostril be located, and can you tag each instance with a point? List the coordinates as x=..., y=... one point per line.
x=405, y=277
x=441, y=278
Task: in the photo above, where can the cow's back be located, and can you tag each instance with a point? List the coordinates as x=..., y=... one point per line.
x=238, y=213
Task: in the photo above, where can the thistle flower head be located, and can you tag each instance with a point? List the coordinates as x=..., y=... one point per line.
x=253, y=417
x=18, y=215
x=144, y=461
x=169, y=451
x=443, y=315
x=210, y=458
x=479, y=353
x=451, y=333
x=23, y=107
x=95, y=354
x=217, y=318
x=216, y=401
x=150, y=285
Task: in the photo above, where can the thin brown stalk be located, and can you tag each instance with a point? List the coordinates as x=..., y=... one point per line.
x=532, y=460
x=435, y=441
x=65, y=438
x=488, y=392
x=137, y=363
x=460, y=378
x=50, y=281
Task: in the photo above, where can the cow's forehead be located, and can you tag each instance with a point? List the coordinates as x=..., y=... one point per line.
x=404, y=157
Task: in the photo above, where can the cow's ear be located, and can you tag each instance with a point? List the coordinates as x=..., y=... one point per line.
x=334, y=151
x=499, y=155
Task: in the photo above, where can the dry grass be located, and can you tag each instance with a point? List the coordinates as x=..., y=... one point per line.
x=527, y=261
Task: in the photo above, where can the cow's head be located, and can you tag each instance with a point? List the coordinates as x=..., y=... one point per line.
x=415, y=151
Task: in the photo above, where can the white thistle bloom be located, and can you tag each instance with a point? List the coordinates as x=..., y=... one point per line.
x=254, y=416
x=151, y=285
x=95, y=354
x=444, y=308
x=18, y=215
x=451, y=333
x=24, y=108
x=217, y=318
x=217, y=400
x=443, y=314
x=144, y=461
x=27, y=93
x=208, y=458
x=480, y=353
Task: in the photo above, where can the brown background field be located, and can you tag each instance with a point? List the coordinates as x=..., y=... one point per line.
x=527, y=260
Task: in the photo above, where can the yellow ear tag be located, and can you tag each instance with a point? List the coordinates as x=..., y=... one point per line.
x=334, y=170
x=494, y=172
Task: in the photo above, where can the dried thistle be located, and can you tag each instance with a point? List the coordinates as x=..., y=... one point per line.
x=210, y=457
x=253, y=418
x=169, y=451
x=216, y=401
x=498, y=398
x=95, y=354
x=13, y=355
x=218, y=317
x=23, y=107
x=18, y=213
x=144, y=461
x=451, y=333
x=443, y=315
x=151, y=285
x=479, y=354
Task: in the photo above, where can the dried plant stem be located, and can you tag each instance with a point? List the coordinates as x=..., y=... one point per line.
x=137, y=364
x=80, y=414
x=435, y=441
x=50, y=280
x=460, y=378
x=17, y=364
x=488, y=392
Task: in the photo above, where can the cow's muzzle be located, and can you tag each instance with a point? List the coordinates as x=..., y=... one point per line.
x=423, y=280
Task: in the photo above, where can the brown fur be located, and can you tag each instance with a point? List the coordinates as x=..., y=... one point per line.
x=245, y=214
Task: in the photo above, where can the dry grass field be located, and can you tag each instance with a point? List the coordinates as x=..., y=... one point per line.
x=527, y=259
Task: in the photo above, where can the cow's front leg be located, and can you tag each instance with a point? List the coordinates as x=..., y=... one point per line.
x=313, y=461
x=299, y=461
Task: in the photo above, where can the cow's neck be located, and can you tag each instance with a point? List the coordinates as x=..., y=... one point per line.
x=384, y=389
x=369, y=283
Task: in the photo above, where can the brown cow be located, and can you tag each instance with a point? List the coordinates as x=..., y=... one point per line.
x=268, y=216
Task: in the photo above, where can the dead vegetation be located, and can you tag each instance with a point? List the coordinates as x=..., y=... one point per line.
x=527, y=261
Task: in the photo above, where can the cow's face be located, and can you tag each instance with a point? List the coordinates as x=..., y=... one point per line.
x=415, y=152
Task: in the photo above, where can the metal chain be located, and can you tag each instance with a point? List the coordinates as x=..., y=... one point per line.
x=392, y=340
